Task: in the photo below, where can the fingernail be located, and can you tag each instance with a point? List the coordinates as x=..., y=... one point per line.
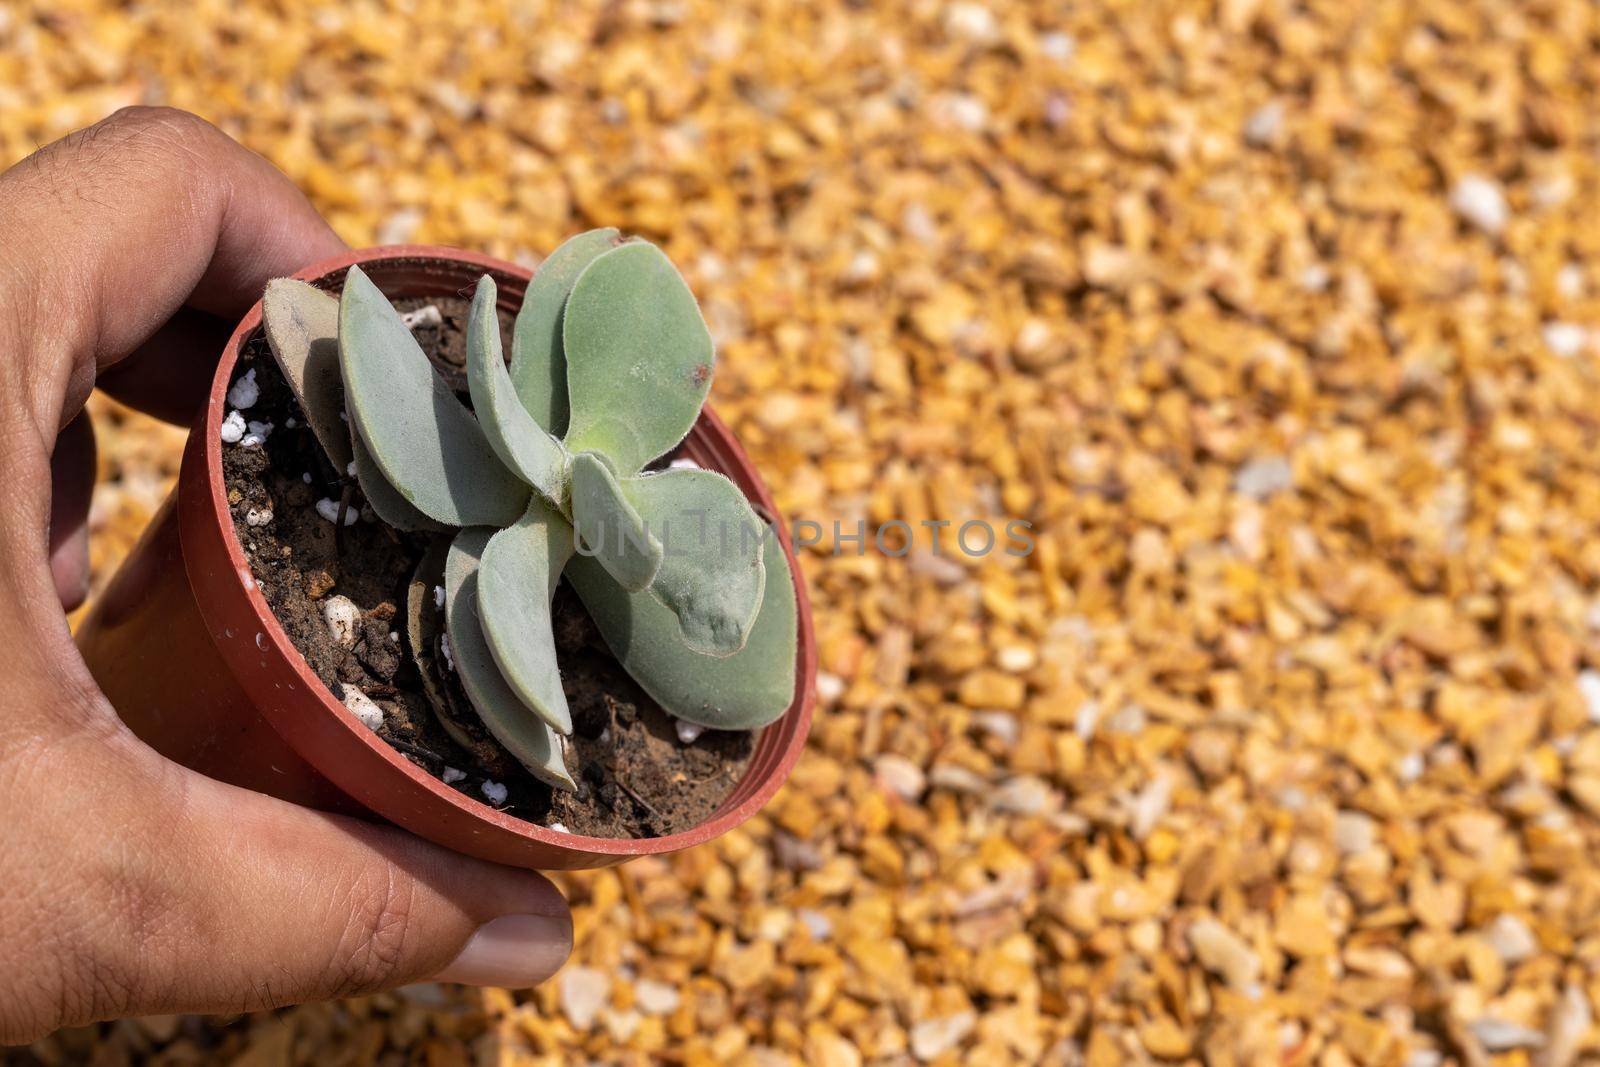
x=513, y=951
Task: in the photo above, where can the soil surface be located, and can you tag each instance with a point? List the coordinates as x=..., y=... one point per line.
x=635, y=777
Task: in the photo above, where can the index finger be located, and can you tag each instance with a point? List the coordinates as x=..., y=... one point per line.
x=106, y=234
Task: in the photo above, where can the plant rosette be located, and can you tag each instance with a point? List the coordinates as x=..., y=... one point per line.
x=547, y=474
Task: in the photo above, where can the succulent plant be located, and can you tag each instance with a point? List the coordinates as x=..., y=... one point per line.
x=546, y=475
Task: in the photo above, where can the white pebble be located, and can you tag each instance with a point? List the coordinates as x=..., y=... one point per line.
x=820, y=925
x=1511, y=939
x=451, y=775
x=1589, y=689
x=932, y=1038
x=341, y=615
x=1565, y=339
x=394, y=635
x=972, y=21
x=258, y=516
x=494, y=792
x=362, y=707
x=244, y=392
x=688, y=732
x=1354, y=832
x=438, y=596
x=830, y=687
x=655, y=998
x=1569, y=281
x=329, y=509
x=900, y=776
x=427, y=315
x=1480, y=202
x=350, y=468
x=1086, y=719
x=684, y=463
x=444, y=647
x=306, y=477
x=1261, y=129
x=1410, y=767
x=290, y=422
x=1263, y=476
x=232, y=428
x=558, y=828
x=584, y=991
x=1500, y=1036
x=1058, y=46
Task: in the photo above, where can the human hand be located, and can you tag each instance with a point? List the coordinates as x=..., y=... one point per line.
x=133, y=886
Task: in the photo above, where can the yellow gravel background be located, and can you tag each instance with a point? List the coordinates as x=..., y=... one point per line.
x=1277, y=320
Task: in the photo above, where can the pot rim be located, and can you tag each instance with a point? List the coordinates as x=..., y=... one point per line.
x=726, y=452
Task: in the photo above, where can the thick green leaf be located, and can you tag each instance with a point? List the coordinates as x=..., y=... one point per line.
x=538, y=365
x=524, y=734
x=611, y=529
x=516, y=580
x=711, y=572
x=425, y=632
x=748, y=689
x=385, y=499
x=520, y=442
x=426, y=443
x=302, y=327
x=639, y=357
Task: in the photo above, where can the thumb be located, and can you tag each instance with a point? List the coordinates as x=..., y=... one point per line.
x=210, y=898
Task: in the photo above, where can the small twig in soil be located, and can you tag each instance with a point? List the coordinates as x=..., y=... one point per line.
x=413, y=750
x=639, y=800
x=338, y=520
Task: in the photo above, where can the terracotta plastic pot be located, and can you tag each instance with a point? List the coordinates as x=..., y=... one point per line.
x=196, y=664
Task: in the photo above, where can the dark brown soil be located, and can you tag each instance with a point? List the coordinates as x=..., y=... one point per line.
x=636, y=779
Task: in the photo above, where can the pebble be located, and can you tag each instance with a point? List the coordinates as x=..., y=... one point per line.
x=1510, y=937
x=900, y=776
x=932, y=1038
x=1479, y=201
x=1500, y=1036
x=494, y=792
x=688, y=732
x=1263, y=477
x=1565, y=339
x=423, y=317
x=1589, y=690
x=583, y=992
x=451, y=775
x=655, y=998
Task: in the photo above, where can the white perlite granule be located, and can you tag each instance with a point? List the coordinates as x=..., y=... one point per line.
x=688, y=732
x=494, y=792
x=427, y=315
x=341, y=615
x=257, y=435
x=232, y=428
x=329, y=509
x=684, y=463
x=438, y=596
x=449, y=655
x=258, y=516
x=451, y=775
x=244, y=392
x=362, y=707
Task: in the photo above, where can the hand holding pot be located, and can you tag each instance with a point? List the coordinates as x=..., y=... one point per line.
x=132, y=885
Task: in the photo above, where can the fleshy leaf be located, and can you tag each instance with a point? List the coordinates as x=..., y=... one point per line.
x=611, y=529
x=520, y=442
x=538, y=364
x=426, y=443
x=385, y=499
x=711, y=571
x=639, y=357
x=302, y=327
x=516, y=580
x=424, y=631
x=748, y=689
x=524, y=734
